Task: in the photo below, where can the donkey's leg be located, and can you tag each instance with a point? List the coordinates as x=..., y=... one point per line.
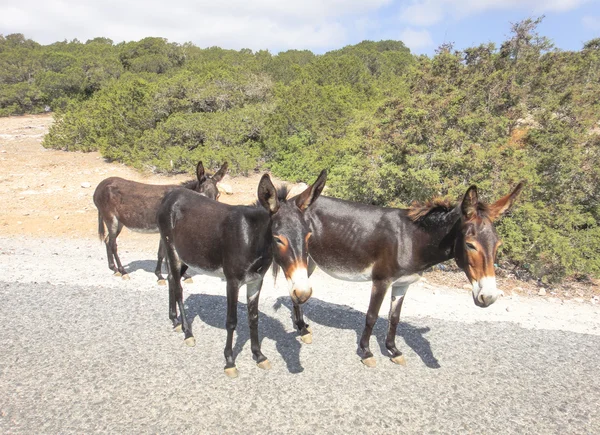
x=298, y=315
x=253, y=293
x=377, y=294
x=176, y=296
x=303, y=328
x=233, y=289
x=184, y=275
x=114, y=229
x=398, y=293
x=160, y=256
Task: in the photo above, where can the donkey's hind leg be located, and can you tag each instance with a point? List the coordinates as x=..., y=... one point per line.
x=253, y=293
x=184, y=275
x=158, y=271
x=114, y=229
x=398, y=293
x=233, y=289
x=176, y=296
x=377, y=294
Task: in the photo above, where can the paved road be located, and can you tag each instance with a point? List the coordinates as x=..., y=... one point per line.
x=103, y=359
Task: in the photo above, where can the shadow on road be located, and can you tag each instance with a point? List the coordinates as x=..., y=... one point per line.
x=150, y=266
x=212, y=310
x=344, y=317
x=147, y=265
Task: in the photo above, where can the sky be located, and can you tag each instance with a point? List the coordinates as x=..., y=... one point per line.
x=316, y=25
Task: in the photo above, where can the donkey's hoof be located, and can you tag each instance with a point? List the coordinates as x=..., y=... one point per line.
x=188, y=280
x=161, y=282
x=265, y=365
x=369, y=362
x=190, y=341
x=231, y=372
x=178, y=328
x=126, y=277
x=399, y=360
x=306, y=338
x=117, y=274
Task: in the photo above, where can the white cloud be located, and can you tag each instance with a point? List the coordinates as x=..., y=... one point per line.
x=591, y=23
x=430, y=12
x=416, y=40
x=256, y=24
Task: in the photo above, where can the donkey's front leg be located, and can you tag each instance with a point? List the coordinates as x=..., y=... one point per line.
x=377, y=293
x=398, y=293
x=303, y=328
x=233, y=289
x=297, y=313
x=253, y=293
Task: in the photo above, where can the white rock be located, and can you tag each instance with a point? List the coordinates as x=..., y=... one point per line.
x=508, y=308
x=225, y=188
x=578, y=300
x=86, y=185
x=297, y=189
x=542, y=292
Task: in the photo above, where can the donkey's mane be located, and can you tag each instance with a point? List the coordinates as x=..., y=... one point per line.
x=282, y=193
x=419, y=211
x=191, y=184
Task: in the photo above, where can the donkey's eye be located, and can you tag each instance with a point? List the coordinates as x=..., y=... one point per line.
x=471, y=246
x=279, y=241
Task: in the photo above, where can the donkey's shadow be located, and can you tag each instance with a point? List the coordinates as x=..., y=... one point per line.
x=150, y=266
x=146, y=265
x=212, y=310
x=344, y=317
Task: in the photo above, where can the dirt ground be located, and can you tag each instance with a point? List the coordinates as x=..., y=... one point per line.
x=47, y=193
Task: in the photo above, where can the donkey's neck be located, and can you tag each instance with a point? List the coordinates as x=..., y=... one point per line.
x=437, y=236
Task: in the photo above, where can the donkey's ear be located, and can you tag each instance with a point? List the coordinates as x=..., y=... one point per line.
x=267, y=194
x=200, y=172
x=469, y=203
x=501, y=206
x=306, y=198
x=221, y=172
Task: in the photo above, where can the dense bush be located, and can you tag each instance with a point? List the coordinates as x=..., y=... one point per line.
x=390, y=127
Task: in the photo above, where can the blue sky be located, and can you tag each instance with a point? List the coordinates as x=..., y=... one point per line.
x=317, y=25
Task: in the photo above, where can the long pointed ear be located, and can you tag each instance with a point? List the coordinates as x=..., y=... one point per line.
x=267, y=194
x=469, y=203
x=306, y=198
x=503, y=204
x=221, y=172
x=200, y=172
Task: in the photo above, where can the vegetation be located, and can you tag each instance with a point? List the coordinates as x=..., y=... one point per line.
x=391, y=127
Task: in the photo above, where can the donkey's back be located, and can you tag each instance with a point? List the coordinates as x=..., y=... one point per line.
x=129, y=203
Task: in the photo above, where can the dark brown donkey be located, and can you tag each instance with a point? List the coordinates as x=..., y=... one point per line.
x=239, y=243
x=134, y=205
x=389, y=246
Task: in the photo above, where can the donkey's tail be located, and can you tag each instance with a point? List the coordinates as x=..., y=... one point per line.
x=101, y=233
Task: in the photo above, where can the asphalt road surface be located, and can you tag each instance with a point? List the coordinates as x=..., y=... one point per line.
x=85, y=359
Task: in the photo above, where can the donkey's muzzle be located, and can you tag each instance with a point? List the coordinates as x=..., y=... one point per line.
x=301, y=296
x=485, y=292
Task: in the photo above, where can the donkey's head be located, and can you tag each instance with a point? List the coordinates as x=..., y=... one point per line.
x=291, y=232
x=477, y=243
x=207, y=185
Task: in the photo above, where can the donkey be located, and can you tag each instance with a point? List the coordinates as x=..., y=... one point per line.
x=238, y=243
x=128, y=203
x=389, y=246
